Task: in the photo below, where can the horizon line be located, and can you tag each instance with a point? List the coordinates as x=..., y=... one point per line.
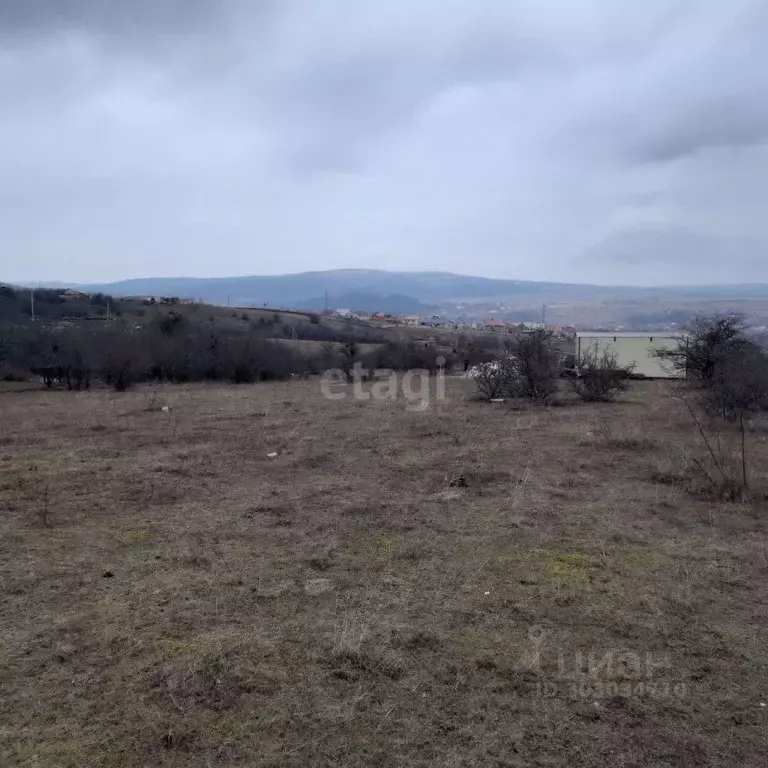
x=73, y=283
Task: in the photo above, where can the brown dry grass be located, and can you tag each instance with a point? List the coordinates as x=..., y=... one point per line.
x=395, y=588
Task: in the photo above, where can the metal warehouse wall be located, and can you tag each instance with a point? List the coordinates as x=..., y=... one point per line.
x=632, y=349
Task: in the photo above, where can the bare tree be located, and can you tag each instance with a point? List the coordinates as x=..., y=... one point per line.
x=732, y=373
x=349, y=357
x=704, y=344
x=76, y=358
x=738, y=388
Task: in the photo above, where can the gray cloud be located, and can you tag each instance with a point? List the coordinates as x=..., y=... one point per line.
x=204, y=137
x=717, y=125
x=676, y=250
x=104, y=17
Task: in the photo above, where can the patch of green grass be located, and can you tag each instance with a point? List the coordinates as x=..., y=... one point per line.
x=138, y=537
x=379, y=548
x=384, y=546
x=168, y=647
x=553, y=567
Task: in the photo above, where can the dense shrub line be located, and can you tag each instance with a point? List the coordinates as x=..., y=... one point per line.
x=172, y=349
x=120, y=356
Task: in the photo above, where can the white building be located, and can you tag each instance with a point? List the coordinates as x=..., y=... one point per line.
x=631, y=347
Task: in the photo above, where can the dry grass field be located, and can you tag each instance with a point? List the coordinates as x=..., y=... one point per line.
x=469, y=585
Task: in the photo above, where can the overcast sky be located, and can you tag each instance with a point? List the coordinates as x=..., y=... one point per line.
x=590, y=140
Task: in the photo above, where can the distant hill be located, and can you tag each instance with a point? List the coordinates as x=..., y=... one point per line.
x=303, y=287
x=387, y=291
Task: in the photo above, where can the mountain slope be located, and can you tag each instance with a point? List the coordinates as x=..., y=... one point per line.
x=377, y=289
x=306, y=286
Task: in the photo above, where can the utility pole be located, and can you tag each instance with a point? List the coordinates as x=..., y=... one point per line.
x=543, y=314
x=32, y=301
x=325, y=310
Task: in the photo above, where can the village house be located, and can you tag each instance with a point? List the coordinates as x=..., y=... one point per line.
x=69, y=293
x=411, y=319
x=382, y=319
x=494, y=324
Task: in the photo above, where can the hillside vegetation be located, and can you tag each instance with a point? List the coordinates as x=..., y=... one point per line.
x=75, y=341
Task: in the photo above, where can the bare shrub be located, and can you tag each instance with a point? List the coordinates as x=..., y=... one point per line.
x=599, y=377
x=536, y=367
x=76, y=358
x=329, y=355
x=118, y=370
x=724, y=467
